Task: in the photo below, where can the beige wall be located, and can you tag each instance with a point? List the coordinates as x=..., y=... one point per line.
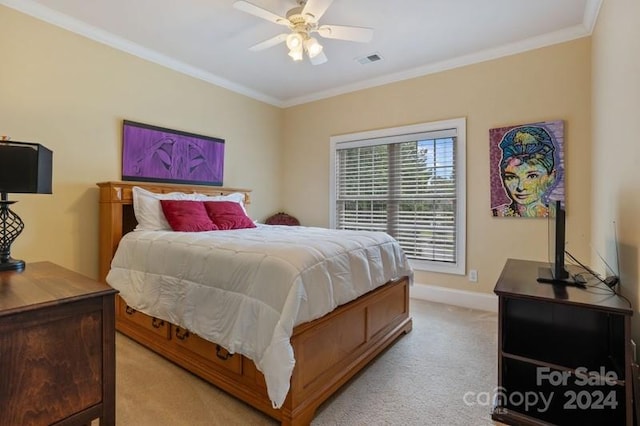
x=71, y=94
x=616, y=143
x=544, y=84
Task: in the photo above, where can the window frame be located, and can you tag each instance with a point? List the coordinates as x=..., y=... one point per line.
x=394, y=134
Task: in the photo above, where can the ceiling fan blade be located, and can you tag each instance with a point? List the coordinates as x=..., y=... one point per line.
x=269, y=43
x=314, y=9
x=260, y=13
x=340, y=32
x=320, y=58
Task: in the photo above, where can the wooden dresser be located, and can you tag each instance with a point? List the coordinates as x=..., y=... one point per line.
x=57, y=348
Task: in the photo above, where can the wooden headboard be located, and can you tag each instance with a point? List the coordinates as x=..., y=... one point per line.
x=116, y=211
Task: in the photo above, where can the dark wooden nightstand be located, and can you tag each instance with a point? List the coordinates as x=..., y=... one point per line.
x=57, y=348
x=567, y=347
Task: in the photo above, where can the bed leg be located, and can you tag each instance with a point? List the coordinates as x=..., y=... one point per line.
x=408, y=327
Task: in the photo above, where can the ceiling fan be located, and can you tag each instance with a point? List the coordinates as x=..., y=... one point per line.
x=302, y=21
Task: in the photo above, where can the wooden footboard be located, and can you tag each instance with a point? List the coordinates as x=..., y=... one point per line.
x=328, y=351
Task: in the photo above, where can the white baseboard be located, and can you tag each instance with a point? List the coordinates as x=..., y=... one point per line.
x=467, y=299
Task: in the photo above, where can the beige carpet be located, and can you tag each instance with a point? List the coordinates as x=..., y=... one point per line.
x=421, y=380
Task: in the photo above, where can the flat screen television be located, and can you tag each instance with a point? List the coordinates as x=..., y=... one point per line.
x=556, y=272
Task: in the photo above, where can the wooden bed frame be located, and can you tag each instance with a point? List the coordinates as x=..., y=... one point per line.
x=328, y=351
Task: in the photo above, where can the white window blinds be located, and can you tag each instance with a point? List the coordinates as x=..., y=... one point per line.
x=405, y=185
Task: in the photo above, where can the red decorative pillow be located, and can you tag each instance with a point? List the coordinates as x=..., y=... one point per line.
x=228, y=215
x=187, y=216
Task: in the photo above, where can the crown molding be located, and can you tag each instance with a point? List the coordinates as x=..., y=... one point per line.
x=58, y=19
x=544, y=40
x=592, y=9
x=43, y=13
x=591, y=12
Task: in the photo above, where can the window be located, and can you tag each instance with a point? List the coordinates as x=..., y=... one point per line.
x=409, y=182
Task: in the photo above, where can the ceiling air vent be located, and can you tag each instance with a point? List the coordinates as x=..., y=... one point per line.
x=374, y=57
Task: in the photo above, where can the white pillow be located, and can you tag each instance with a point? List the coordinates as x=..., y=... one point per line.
x=148, y=211
x=236, y=197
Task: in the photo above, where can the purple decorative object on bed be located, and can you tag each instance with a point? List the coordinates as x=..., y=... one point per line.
x=156, y=154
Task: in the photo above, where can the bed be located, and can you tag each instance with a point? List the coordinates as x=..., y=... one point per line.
x=328, y=350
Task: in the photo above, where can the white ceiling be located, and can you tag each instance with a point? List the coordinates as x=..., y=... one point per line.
x=210, y=39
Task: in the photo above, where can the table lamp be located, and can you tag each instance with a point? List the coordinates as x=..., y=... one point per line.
x=24, y=168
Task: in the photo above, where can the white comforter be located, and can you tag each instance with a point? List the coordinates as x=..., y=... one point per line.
x=246, y=289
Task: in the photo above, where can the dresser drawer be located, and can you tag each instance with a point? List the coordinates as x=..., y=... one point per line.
x=204, y=348
x=155, y=325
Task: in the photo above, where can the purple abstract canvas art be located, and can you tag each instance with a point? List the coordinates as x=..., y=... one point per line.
x=156, y=154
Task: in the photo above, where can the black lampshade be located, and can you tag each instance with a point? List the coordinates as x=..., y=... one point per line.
x=25, y=168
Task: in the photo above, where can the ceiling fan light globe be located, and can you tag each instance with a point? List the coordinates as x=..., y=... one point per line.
x=296, y=54
x=321, y=58
x=294, y=41
x=313, y=47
